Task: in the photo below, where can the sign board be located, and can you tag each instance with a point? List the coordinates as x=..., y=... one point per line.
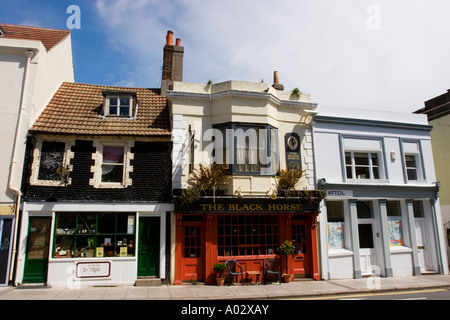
x=93, y=269
x=292, y=142
x=339, y=194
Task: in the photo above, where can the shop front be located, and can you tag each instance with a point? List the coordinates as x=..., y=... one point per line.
x=98, y=244
x=248, y=230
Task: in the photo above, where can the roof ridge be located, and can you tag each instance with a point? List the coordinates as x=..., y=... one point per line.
x=33, y=27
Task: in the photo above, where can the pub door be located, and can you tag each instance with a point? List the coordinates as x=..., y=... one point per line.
x=38, y=244
x=301, y=260
x=192, y=261
x=149, y=246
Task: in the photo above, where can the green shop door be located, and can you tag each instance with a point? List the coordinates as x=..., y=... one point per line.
x=148, y=248
x=36, y=259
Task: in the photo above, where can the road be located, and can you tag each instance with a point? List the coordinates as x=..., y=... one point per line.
x=430, y=294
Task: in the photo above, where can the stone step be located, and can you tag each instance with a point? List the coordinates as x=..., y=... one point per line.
x=148, y=282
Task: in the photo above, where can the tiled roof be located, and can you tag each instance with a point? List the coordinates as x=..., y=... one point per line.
x=77, y=109
x=48, y=37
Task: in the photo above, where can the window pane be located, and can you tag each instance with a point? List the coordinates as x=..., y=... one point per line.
x=365, y=235
x=335, y=212
x=364, y=209
x=113, y=154
x=361, y=159
x=113, y=104
x=362, y=172
x=348, y=158
x=52, y=155
x=393, y=208
x=112, y=173
x=418, y=209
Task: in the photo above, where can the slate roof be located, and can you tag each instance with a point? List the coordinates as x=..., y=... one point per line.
x=78, y=109
x=48, y=37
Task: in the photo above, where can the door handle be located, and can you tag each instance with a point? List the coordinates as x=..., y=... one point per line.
x=421, y=247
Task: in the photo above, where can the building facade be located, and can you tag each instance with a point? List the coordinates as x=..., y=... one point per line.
x=97, y=189
x=33, y=64
x=251, y=132
x=381, y=214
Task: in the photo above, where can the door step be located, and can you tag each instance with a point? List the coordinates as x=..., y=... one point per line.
x=148, y=282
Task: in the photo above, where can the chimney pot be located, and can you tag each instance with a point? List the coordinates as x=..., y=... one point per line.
x=169, y=38
x=178, y=42
x=276, y=82
x=275, y=77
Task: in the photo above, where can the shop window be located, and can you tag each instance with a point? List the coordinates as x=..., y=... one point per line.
x=336, y=224
x=247, y=235
x=394, y=216
x=89, y=235
x=247, y=149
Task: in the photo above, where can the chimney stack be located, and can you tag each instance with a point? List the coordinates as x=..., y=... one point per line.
x=172, y=62
x=276, y=81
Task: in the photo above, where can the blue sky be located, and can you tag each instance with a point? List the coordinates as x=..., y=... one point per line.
x=372, y=54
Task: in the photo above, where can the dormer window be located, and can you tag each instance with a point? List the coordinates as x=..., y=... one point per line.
x=119, y=104
x=1, y=31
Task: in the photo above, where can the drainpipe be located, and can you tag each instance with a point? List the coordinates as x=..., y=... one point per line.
x=11, y=185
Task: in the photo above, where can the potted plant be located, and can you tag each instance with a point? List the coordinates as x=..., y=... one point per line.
x=287, y=248
x=219, y=269
x=210, y=178
x=288, y=179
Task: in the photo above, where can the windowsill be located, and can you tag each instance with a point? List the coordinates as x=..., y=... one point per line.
x=92, y=259
x=367, y=181
x=49, y=183
x=400, y=249
x=339, y=252
x=110, y=186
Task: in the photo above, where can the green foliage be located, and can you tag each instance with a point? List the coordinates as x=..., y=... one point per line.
x=210, y=178
x=287, y=248
x=219, y=268
x=288, y=179
x=190, y=195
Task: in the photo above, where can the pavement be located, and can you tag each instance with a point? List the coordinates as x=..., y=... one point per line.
x=299, y=289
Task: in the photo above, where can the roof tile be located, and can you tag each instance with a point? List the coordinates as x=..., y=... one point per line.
x=76, y=109
x=48, y=37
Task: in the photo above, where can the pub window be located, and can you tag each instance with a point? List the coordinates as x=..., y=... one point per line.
x=394, y=216
x=247, y=235
x=247, y=149
x=89, y=235
x=336, y=224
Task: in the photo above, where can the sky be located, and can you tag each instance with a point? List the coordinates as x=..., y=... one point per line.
x=372, y=54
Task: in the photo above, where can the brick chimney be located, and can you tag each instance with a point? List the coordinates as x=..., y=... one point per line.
x=172, y=63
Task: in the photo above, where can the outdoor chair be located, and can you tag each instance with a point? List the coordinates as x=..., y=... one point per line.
x=233, y=266
x=272, y=267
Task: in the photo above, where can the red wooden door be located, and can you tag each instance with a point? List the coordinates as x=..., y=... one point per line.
x=192, y=252
x=300, y=264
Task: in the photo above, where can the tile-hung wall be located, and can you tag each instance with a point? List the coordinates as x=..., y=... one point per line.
x=381, y=215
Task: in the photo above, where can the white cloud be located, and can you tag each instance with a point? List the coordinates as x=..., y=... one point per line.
x=323, y=47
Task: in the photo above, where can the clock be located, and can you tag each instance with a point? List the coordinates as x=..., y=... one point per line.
x=292, y=143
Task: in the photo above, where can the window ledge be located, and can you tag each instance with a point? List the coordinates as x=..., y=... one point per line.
x=340, y=253
x=400, y=249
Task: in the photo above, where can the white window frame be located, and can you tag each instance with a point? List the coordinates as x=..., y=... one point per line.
x=370, y=165
x=117, y=114
x=68, y=155
x=96, y=169
x=412, y=148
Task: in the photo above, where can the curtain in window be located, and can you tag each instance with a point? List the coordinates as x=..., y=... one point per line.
x=112, y=159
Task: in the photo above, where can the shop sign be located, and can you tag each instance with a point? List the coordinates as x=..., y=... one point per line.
x=251, y=207
x=93, y=269
x=339, y=194
x=293, y=159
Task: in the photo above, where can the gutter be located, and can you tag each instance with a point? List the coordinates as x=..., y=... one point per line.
x=16, y=189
